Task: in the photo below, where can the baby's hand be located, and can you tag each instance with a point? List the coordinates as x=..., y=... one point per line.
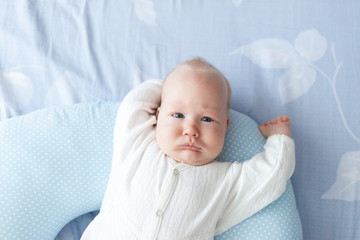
x=279, y=125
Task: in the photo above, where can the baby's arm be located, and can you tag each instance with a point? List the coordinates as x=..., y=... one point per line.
x=136, y=117
x=278, y=125
x=262, y=179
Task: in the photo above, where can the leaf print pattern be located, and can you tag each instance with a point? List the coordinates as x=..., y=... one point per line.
x=311, y=45
x=237, y=3
x=63, y=91
x=347, y=184
x=269, y=53
x=14, y=84
x=295, y=82
x=144, y=10
x=298, y=78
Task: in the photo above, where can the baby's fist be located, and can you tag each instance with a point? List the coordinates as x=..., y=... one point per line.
x=278, y=125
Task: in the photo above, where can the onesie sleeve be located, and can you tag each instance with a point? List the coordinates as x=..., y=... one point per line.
x=136, y=119
x=259, y=181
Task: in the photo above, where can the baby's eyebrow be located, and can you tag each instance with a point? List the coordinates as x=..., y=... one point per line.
x=211, y=109
x=176, y=104
x=206, y=109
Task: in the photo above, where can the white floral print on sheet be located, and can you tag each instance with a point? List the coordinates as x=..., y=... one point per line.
x=144, y=10
x=64, y=90
x=16, y=91
x=300, y=75
x=347, y=184
x=237, y=2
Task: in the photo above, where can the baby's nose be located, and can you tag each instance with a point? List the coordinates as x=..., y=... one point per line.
x=191, y=130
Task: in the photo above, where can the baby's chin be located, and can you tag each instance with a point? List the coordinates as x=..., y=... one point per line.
x=192, y=158
x=193, y=162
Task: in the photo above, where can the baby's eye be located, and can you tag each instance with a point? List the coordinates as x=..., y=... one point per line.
x=178, y=115
x=206, y=119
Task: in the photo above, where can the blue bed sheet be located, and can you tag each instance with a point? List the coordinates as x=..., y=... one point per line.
x=295, y=58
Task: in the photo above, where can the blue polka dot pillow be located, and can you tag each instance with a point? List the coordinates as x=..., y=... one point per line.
x=54, y=166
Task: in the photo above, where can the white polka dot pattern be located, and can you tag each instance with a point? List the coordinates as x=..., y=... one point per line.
x=54, y=165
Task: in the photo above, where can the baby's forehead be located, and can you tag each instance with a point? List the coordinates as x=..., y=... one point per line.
x=187, y=77
x=180, y=73
x=179, y=104
x=196, y=67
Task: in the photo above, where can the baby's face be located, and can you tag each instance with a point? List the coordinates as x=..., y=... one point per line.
x=193, y=117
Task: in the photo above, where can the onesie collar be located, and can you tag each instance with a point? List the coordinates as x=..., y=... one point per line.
x=179, y=166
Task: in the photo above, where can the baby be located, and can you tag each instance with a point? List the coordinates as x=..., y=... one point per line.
x=165, y=182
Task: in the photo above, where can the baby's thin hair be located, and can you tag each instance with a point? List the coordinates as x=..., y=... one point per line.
x=200, y=64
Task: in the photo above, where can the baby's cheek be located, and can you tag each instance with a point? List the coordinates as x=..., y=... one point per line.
x=217, y=143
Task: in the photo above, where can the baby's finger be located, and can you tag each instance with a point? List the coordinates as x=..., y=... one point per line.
x=264, y=124
x=285, y=118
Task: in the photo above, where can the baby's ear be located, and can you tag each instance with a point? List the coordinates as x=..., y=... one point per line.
x=157, y=113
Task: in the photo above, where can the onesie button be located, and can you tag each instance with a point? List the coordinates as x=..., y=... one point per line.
x=159, y=213
x=176, y=172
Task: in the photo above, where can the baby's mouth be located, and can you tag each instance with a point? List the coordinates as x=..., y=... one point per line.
x=190, y=146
